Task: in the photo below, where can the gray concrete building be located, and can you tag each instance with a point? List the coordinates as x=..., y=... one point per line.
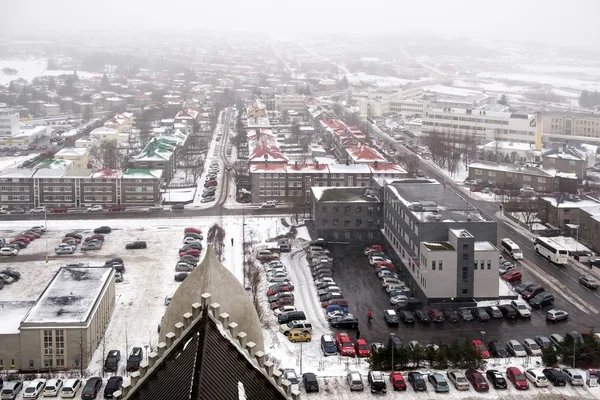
x=63, y=328
x=350, y=214
x=417, y=214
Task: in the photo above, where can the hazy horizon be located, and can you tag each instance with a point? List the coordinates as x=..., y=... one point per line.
x=550, y=21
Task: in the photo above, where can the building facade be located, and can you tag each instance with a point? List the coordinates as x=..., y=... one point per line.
x=9, y=122
x=575, y=127
x=421, y=211
x=289, y=102
x=346, y=214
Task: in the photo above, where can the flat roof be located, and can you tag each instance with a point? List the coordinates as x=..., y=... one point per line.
x=428, y=192
x=345, y=194
x=11, y=314
x=484, y=246
x=438, y=246
x=70, y=297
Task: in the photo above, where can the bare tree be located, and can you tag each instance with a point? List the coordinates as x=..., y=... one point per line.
x=82, y=352
x=106, y=154
x=526, y=209
x=254, y=279
x=497, y=144
x=216, y=236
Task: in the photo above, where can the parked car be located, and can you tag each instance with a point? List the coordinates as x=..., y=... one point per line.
x=139, y=244
x=70, y=388
x=397, y=381
x=451, y=315
x=517, y=378
x=573, y=376
x=508, y=312
x=34, y=389
x=103, y=229
x=53, y=387
x=91, y=245
x=11, y=390
x=310, y=382
x=543, y=299
x=112, y=360
x=422, y=316
x=117, y=207
x=536, y=377
x=296, y=335
x=114, y=383
x=417, y=382
x=38, y=210
x=480, y=348
x=512, y=276
x=465, y=314
x=355, y=382
x=515, y=348
x=496, y=378
x=60, y=209
x=92, y=388
x=521, y=308
x=435, y=315
x=407, y=317
x=458, y=379
x=477, y=380
x=64, y=250
x=362, y=348
x=531, y=347
x=328, y=346
x=494, y=312
x=95, y=208
x=542, y=341
x=348, y=321
x=344, y=345
x=555, y=377
x=555, y=315
x=390, y=317
x=9, y=251
x=438, y=382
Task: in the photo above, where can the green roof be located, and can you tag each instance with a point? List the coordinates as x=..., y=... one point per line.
x=138, y=173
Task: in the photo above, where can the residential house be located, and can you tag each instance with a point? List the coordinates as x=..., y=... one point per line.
x=78, y=155
x=570, y=159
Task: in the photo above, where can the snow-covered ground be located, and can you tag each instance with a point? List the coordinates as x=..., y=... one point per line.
x=31, y=68
x=570, y=243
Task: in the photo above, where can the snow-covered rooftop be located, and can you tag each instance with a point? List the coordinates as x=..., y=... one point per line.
x=344, y=194
x=484, y=246
x=11, y=314
x=565, y=202
x=71, y=296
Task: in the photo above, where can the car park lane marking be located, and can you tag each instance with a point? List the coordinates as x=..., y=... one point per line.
x=568, y=294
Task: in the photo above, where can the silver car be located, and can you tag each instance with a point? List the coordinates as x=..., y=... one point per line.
x=64, y=250
x=355, y=381
x=459, y=380
x=574, y=376
x=184, y=267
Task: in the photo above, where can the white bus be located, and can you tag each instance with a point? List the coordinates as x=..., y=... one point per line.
x=512, y=249
x=551, y=250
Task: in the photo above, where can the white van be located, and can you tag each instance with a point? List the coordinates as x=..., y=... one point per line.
x=512, y=249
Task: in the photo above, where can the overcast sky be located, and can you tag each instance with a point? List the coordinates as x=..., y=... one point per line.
x=553, y=21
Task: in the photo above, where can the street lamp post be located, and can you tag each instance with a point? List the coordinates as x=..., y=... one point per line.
x=482, y=337
x=45, y=233
x=393, y=349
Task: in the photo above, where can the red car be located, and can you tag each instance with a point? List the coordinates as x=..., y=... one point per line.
x=27, y=235
x=512, y=276
x=435, y=315
x=21, y=239
x=192, y=230
x=373, y=247
x=210, y=183
x=279, y=289
x=517, y=378
x=384, y=264
x=478, y=346
x=67, y=238
x=60, y=209
x=345, y=345
x=284, y=301
x=192, y=252
x=34, y=235
x=362, y=348
x=340, y=302
x=117, y=207
x=477, y=380
x=397, y=381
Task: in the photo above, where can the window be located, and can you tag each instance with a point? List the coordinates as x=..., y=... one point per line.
x=491, y=173
x=440, y=264
x=324, y=221
x=31, y=364
x=336, y=209
x=465, y=273
x=474, y=264
x=526, y=178
x=346, y=222
x=358, y=222
x=358, y=210
x=347, y=210
x=489, y=264
x=323, y=209
x=336, y=235
x=481, y=264
x=47, y=342
x=60, y=362
x=477, y=171
x=541, y=180
x=336, y=221
x=464, y=291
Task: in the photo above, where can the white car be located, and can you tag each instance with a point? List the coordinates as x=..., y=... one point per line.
x=284, y=309
x=536, y=377
x=459, y=380
x=324, y=280
x=64, y=250
x=331, y=315
x=291, y=376
x=521, y=308
x=189, y=240
x=377, y=259
x=95, y=208
x=399, y=300
x=8, y=251
x=38, y=210
x=33, y=390
x=6, y=279
x=574, y=376
x=514, y=347
x=53, y=387
x=70, y=388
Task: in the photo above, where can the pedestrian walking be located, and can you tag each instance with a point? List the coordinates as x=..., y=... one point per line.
x=357, y=334
x=232, y=241
x=369, y=316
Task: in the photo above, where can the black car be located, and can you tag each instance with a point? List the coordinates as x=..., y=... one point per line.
x=347, y=322
x=195, y=246
x=494, y=312
x=139, y=244
x=390, y=317
x=319, y=242
x=180, y=277
x=395, y=342
x=135, y=358
x=112, y=360
x=521, y=287
x=496, y=378
x=497, y=349
x=555, y=376
x=103, y=229
x=16, y=275
x=508, y=312
x=114, y=383
x=92, y=388
x=18, y=244
x=541, y=300
x=310, y=383
x=417, y=381
x=407, y=317
x=74, y=235
x=377, y=382
x=465, y=314
x=193, y=235
x=451, y=316
x=481, y=314
x=422, y=316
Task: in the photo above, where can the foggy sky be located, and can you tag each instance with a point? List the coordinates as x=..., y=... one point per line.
x=561, y=22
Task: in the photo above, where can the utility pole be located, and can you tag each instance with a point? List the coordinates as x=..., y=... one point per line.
x=393, y=349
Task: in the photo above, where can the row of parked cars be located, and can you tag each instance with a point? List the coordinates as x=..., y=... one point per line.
x=397, y=290
x=210, y=184
x=69, y=388
x=189, y=254
x=471, y=378
x=21, y=241
x=73, y=239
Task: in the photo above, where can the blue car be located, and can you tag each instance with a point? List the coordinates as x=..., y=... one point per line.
x=335, y=307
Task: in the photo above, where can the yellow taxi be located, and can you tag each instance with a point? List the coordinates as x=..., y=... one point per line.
x=299, y=336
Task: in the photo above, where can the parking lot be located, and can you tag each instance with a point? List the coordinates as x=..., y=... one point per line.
x=362, y=289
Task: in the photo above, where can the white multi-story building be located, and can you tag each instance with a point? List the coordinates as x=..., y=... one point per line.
x=374, y=103
x=560, y=126
x=416, y=107
x=9, y=122
x=486, y=125
x=289, y=102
